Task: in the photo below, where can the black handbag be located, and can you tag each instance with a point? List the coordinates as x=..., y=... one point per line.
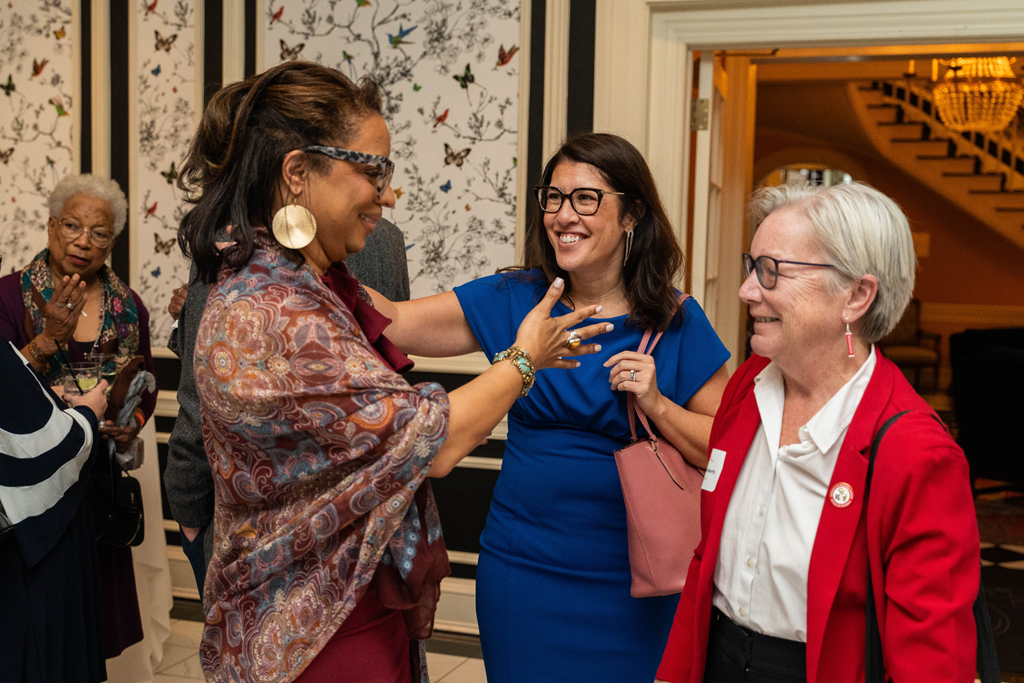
x=874, y=668
x=117, y=506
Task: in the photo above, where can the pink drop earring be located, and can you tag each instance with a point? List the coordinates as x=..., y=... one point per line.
x=849, y=341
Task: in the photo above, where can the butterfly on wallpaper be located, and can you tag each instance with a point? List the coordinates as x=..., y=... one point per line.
x=402, y=33
x=467, y=207
x=276, y=16
x=59, y=106
x=170, y=175
x=151, y=210
x=453, y=157
x=416, y=87
x=5, y=156
x=446, y=187
x=441, y=119
x=151, y=7
x=506, y=57
x=9, y=88
x=163, y=245
x=290, y=53
x=465, y=78
x=37, y=67
x=398, y=192
x=60, y=34
x=155, y=273
x=156, y=71
x=164, y=43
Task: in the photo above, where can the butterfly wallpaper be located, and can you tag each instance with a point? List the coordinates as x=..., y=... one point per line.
x=36, y=49
x=449, y=71
x=165, y=76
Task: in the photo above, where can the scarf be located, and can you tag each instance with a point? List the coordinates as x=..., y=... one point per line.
x=119, y=332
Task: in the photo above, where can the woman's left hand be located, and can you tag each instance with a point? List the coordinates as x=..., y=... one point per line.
x=122, y=436
x=635, y=372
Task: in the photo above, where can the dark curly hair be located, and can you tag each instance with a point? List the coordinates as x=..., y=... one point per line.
x=234, y=161
x=656, y=256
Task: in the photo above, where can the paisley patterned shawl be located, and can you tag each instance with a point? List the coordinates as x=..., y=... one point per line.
x=119, y=334
x=319, y=454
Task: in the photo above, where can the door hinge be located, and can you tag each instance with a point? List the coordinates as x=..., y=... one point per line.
x=698, y=114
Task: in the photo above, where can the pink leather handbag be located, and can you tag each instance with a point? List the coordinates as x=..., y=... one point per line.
x=662, y=493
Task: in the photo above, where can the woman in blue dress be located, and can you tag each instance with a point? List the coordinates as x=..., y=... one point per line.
x=553, y=578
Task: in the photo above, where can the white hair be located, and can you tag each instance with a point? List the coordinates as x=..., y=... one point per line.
x=91, y=186
x=860, y=231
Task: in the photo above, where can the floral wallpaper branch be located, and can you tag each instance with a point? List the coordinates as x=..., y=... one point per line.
x=165, y=77
x=36, y=52
x=449, y=72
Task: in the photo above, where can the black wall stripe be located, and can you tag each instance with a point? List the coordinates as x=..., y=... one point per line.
x=535, y=134
x=85, y=105
x=213, y=48
x=119, y=16
x=250, y=37
x=582, y=38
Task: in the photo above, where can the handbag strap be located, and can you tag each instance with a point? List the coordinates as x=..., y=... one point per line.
x=631, y=405
x=874, y=666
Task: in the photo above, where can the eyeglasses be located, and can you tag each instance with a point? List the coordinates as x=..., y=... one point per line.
x=385, y=167
x=98, y=237
x=584, y=200
x=767, y=268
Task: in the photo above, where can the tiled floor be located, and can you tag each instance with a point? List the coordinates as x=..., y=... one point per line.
x=181, y=660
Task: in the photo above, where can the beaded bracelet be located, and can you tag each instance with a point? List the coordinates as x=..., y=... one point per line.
x=520, y=358
x=37, y=353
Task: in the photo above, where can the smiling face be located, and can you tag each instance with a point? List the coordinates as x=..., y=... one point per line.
x=79, y=255
x=799, y=320
x=586, y=245
x=344, y=200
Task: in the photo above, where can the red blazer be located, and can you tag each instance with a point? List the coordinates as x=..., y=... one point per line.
x=920, y=534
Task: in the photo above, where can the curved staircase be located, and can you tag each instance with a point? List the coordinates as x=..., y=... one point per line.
x=982, y=175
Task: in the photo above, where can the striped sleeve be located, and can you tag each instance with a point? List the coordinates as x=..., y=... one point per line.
x=45, y=451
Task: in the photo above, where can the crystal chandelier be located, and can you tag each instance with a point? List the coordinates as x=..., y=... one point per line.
x=978, y=94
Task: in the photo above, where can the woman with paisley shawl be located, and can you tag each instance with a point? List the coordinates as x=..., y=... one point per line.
x=328, y=553
x=66, y=303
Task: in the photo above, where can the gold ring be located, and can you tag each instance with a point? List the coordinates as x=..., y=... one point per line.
x=573, y=342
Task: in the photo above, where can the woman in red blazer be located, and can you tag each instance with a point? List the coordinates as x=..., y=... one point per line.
x=777, y=587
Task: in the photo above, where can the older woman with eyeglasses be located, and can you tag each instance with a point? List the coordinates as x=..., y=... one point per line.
x=792, y=548
x=67, y=304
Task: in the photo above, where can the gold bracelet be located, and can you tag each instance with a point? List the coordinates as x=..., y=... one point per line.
x=37, y=353
x=520, y=358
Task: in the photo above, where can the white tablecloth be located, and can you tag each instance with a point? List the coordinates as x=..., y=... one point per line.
x=152, y=578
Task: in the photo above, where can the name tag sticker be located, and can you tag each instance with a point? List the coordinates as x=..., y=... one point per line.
x=715, y=465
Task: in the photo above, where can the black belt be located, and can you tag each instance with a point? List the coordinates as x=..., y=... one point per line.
x=736, y=653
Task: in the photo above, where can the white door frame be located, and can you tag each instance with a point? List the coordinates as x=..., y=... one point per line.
x=643, y=58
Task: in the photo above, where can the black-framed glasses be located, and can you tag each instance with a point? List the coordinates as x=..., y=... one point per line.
x=385, y=167
x=584, y=200
x=98, y=237
x=767, y=268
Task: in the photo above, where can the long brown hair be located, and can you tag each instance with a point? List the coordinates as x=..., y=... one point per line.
x=656, y=256
x=234, y=161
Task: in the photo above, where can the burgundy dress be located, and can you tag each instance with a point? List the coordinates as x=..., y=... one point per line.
x=120, y=603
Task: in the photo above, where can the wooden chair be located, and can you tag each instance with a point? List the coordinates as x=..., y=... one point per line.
x=910, y=348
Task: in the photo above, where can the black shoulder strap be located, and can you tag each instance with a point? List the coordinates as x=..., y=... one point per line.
x=874, y=667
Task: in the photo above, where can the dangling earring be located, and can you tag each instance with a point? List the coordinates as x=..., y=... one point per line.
x=629, y=245
x=849, y=341
x=294, y=226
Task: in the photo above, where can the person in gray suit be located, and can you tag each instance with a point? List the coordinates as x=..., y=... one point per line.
x=382, y=265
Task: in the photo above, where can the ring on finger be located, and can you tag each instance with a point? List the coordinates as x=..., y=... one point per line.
x=70, y=305
x=632, y=375
x=573, y=341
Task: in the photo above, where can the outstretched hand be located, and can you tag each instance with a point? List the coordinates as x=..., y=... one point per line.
x=545, y=337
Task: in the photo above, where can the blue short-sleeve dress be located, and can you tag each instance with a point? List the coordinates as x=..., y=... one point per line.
x=553, y=578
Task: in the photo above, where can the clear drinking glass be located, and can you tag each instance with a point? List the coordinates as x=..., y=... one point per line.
x=108, y=366
x=80, y=378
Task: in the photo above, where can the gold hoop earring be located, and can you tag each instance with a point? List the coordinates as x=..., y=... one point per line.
x=629, y=245
x=294, y=226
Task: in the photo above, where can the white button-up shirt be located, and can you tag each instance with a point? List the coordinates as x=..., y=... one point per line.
x=773, y=514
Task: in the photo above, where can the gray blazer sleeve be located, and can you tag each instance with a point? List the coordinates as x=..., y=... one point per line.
x=383, y=264
x=188, y=479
